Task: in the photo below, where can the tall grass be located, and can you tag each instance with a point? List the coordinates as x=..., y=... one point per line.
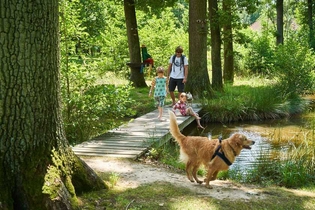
x=245, y=102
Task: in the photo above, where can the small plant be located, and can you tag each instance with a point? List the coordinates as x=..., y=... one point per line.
x=153, y=154
x=113, y=179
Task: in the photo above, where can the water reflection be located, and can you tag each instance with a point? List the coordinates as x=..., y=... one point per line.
x=261, y=132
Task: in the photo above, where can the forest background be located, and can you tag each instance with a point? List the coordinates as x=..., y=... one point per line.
x=94, y=54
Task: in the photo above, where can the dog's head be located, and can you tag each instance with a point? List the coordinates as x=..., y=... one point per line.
x=241, y=141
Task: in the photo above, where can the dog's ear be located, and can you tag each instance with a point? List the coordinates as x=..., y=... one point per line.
x=239, y=138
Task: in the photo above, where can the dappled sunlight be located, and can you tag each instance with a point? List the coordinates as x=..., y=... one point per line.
x=112, y=79
x=101, y=165
x=301, y=193
x=253, y=81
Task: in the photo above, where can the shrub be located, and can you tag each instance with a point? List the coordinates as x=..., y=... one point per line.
x=293, y=68
x=259, y=59
x=96, y=110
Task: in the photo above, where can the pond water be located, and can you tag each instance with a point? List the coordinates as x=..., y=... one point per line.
x=261, y=132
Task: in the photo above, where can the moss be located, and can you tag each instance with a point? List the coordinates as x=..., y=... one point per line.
x=70, y=187
x=58, y=179
x=52, y=182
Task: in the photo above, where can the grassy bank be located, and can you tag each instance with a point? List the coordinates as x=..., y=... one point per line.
x=165, y=196
x=251, y=100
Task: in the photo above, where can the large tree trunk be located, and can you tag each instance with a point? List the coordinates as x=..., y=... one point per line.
x=36, y=162
x=228, y=67
x=198, y=79
x=136, y=77
x=217, y=83
x=279, y=22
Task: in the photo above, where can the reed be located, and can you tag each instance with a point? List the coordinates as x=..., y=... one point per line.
x=244, y=102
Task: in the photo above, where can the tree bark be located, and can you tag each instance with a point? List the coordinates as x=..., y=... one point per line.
x=228, y=67
x=36, y=162
x=136, y=77
x=279, y=6
x=198, y=82
x=217, y=83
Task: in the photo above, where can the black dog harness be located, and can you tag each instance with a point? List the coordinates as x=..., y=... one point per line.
x=221, y=154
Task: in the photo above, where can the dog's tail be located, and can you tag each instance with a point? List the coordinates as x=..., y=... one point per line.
x=174, y=129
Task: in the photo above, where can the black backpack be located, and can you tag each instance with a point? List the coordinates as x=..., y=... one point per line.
x=181, y=62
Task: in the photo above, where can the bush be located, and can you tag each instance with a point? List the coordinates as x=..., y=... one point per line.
x=293, y=68
x=259, y=59
x=96, y=110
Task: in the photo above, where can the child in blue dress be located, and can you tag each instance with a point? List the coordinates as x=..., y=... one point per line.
x=159, y=84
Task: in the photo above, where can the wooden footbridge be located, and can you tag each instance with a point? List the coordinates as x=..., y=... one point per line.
x=134, y=138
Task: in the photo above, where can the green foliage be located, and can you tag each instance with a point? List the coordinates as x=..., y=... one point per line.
x=95, y=110
x=293, y=174
x=161, y=36
x=143, y=104
x=113, y=179
x=259, y=58
x=294, y=67
x=288, y=173
x=113, y=41
x=93, y=16
x=169, y=156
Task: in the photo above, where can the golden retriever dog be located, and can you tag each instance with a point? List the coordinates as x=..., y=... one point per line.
x=215, y=155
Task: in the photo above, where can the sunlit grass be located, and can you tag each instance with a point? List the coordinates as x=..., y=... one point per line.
x=112, y=78
x=253, y=81
x=164, y=195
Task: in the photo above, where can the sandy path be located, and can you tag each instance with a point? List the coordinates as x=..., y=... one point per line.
x=133, y=174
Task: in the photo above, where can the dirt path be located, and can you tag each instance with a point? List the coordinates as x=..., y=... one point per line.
x=133, y=174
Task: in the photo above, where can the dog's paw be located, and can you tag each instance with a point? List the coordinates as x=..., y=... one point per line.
x=199, y=182
x=209, y=187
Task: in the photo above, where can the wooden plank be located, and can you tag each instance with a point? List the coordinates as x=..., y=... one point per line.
x=116, y=155
x=110, y=143
x=134, y=138
x=116, y=150
x=91, y=146
x=115, y=141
